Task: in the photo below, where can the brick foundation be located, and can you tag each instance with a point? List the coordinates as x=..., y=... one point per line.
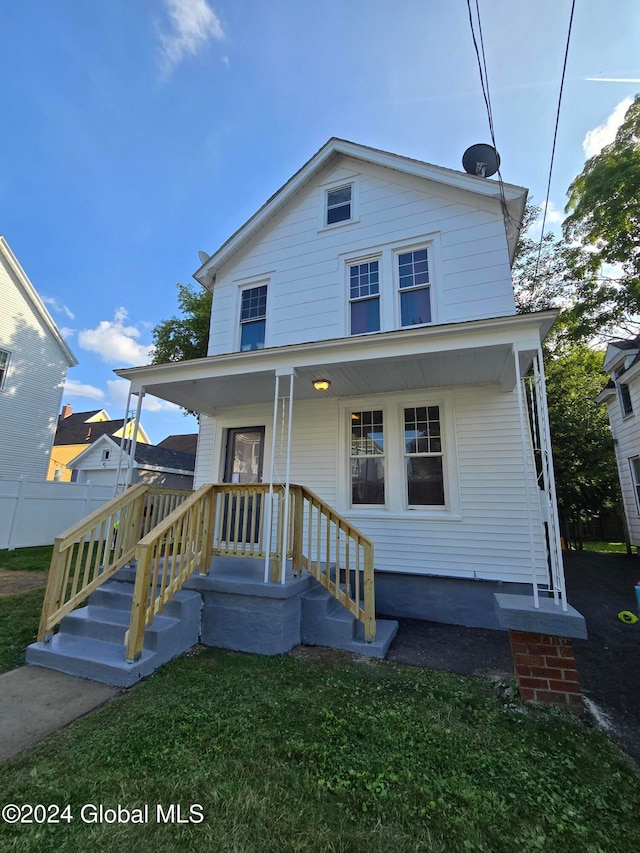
x=545, y=669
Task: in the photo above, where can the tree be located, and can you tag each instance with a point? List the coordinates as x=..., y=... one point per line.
x=186, y=337
x=603, y=227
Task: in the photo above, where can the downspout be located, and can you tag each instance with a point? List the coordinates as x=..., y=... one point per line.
x=122, y=443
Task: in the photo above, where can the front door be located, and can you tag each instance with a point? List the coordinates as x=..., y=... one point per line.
x=243, y=465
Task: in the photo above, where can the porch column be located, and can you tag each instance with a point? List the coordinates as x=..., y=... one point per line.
x=134, y=441
x=549, y=481
x=276, y=397
x=122, y=443
x=285, y=523
x=529, y=477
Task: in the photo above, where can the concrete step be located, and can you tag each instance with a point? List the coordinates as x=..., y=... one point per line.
x=90, y=640
x=326, y=622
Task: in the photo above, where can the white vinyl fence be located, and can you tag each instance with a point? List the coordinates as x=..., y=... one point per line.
x=34, y=512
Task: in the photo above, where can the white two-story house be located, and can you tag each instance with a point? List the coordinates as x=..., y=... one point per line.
x=364, y=343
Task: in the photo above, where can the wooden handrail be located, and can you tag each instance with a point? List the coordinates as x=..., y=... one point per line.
x=336, y=556
x=91, y=551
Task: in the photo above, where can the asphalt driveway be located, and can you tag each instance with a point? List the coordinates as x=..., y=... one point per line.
x=599, y=586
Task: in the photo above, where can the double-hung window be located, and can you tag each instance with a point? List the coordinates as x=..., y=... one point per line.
x=339, y=205
x=253, y=318
x=4, y=366
x=423, y=456
x=364, y=296
x=635, y=476
x=367, y=455
x=414, y=285
x=624, y=395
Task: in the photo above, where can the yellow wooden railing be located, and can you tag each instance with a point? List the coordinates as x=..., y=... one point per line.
x=335, y=552
x=89, y=553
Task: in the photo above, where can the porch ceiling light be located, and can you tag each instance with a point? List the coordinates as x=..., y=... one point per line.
x=321, y=384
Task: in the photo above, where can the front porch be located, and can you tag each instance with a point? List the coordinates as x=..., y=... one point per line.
x=154, y=572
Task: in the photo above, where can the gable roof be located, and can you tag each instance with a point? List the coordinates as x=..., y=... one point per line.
x=515, y=197
x=146, y=455
x=36, y=303
x=79, y=429
x=185, y=443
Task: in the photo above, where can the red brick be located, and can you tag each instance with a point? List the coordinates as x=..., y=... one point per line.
x=527, y=694
x=535, y=683
x=546, y=672
x=565, y=651
x=526, y=660
x=570, y=675
x=565, y=686
x=525, y=636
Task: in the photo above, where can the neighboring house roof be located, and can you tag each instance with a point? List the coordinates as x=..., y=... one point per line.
x=514, y=197
x=79, y=428
x=146, y=456
x=36, y=302
x=185, y=443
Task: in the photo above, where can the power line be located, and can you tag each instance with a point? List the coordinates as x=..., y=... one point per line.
x=555, y=136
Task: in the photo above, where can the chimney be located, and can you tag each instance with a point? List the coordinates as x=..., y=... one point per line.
x=66, y=411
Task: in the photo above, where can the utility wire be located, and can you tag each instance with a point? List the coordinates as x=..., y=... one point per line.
x=555, y=136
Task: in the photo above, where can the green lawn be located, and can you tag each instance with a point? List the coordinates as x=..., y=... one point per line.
x=19, y=619
x=290, y=754
x=27, y=559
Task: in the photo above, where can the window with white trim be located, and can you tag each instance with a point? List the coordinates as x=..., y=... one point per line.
x=624, y=395
x=423, y=456
x=415, y=288
x=634, y=463
x=4, y=366
x=366, y=457
x=364, y=297
x=253, y=318
x=339, y=205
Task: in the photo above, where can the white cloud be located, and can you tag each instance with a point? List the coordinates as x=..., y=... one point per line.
x=79, y=389
x=193, y=23
x=119, y=391
x=596, y=139
x=116, y=342
x=58, y=307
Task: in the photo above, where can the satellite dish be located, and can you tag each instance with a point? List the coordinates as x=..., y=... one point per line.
x=481, y=160
x=203, y=257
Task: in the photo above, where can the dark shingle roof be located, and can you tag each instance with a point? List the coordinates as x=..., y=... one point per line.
x=74, y=429
x=185, y=443
x=160, y=457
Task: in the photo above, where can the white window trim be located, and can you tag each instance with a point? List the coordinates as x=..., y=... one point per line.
x=429, y=245
x=619, y=381
x=7, y=367
x=353, y=261
x=240, y=288
x=396, y=500
x=325, y=189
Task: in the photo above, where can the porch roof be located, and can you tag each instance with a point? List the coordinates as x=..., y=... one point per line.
x=471, y=353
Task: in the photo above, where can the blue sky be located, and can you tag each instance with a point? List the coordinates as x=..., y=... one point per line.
x=137, y=132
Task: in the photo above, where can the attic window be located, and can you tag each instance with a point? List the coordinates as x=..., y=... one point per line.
x=339, y=205
x=624, y=395
x=253, y=315
x=4, y=366
x=105, y=455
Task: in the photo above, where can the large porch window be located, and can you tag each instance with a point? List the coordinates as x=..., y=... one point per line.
x=367, y=456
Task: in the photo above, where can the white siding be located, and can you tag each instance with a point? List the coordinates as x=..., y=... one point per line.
x=626, y=433
x=31, y=395
x=485, y=536
x=304, y=263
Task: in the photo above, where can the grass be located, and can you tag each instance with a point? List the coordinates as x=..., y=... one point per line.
x=288, y=754
x=27, y=559
x=19, y=618
x=605, y=547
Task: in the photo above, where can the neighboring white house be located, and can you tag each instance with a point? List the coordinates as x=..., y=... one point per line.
x=389, y=280
x=622, y=396
x=104, y=463
x=34, y=359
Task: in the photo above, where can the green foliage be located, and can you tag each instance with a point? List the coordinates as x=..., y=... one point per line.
x=186, y=337
x=604, y=225
x=584, y=457
x=287, y=754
